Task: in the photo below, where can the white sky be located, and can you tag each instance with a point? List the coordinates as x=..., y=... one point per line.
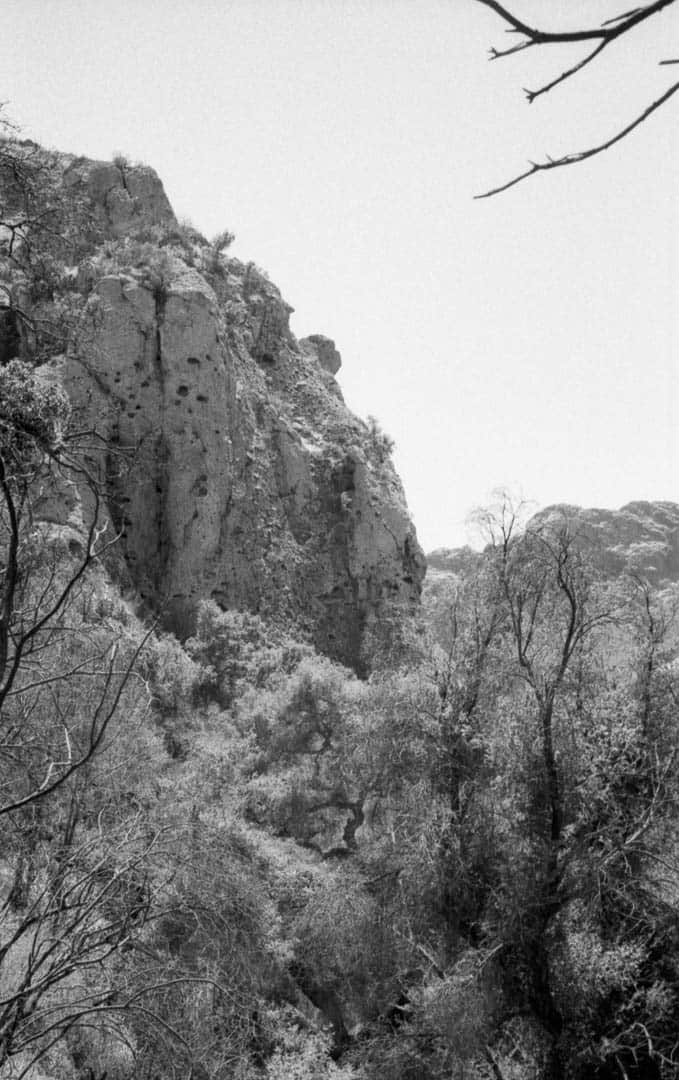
x=528, y=340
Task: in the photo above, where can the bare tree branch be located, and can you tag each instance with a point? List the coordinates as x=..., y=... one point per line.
x=583, y=155
x=531, y=95
x=610, y=31
x=58, y=772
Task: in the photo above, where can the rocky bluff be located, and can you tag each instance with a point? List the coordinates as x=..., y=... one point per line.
x=250, y=483
x=641, y=538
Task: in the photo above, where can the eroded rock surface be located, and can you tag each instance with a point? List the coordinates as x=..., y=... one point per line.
x=251, y=482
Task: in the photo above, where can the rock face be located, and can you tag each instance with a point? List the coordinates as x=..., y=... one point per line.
x=251, y=483
x=641, y=537
x=324, y=350
x=123, y=197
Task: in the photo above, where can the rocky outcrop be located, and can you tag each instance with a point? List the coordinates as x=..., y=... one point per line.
x=641, y=538
x=234, y=469
x=324, y=350
x=124, y=197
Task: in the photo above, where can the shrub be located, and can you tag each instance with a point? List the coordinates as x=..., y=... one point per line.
x=172, y=674
x=33, y=414
x=381, y=444
x=302, y=1054
x=223, y=240
x=238, y=649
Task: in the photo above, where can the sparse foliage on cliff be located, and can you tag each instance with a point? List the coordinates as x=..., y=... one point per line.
x=380, y=443
x=42, y=235
x=223, y=240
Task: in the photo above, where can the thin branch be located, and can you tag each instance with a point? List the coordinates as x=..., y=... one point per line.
x=583, y=155
x=610, y=30
x=497, y=54
x=98, y=728
x=619, y=18
x=11, y=574
x=531, y=95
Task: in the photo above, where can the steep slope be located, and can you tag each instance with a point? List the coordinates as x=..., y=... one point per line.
x=251, y=482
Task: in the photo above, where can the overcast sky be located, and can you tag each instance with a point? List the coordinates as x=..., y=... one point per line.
x=527, y=340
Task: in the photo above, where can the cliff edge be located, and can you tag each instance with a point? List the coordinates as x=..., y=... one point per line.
x=233, y=469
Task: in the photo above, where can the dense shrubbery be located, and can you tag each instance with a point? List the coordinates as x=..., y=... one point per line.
x=296, y=846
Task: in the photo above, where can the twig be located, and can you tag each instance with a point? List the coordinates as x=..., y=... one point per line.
x=583, y=155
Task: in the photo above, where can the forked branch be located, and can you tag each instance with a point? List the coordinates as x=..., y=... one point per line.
x=601, y=37
x=608, y=31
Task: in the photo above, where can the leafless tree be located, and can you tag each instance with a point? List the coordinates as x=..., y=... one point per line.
x=46, y=735
x=595, y=40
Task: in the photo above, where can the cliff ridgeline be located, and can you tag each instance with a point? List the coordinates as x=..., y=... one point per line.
x=246, y=478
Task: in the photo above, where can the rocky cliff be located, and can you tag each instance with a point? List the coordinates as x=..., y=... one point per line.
x=641, y=537
x=234, y=470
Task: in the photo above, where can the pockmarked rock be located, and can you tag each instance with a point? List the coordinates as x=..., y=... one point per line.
x=234, y=471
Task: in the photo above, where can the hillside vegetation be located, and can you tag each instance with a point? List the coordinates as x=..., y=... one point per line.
x=227, y=855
